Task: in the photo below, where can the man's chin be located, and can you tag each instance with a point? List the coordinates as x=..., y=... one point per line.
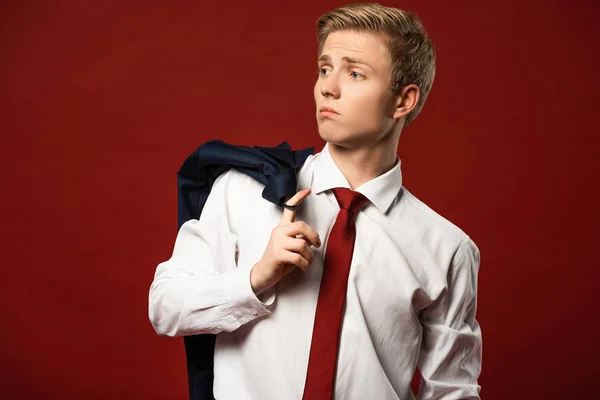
x=339, y=138
x=330, y=136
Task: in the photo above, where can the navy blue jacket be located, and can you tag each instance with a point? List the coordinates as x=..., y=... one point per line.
x=274, y=167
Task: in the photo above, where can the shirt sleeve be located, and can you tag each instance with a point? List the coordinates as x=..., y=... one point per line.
x=450, y=357
x=201, y=289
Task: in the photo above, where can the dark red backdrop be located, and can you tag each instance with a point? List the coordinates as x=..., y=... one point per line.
x=101, y=102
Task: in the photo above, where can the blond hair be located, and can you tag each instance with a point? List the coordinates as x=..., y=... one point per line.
x=412, y=56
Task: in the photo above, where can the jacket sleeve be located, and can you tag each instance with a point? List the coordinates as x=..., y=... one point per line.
x=201, y=289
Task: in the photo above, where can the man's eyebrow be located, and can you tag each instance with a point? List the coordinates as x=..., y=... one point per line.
x=349, y=60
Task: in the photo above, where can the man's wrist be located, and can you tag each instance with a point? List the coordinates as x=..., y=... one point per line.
x=255, y=283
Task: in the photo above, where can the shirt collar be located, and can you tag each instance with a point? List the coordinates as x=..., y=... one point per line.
x=381, y=191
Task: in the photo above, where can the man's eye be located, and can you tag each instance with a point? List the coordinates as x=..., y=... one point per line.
x=324, y=71
x=356, y=75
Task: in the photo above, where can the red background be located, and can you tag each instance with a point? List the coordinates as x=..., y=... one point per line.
x=102, y=101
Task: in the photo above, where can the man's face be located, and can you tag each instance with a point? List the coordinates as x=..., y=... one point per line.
x=354, y=81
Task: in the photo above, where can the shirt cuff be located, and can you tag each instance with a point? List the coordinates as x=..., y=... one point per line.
x=244, y=305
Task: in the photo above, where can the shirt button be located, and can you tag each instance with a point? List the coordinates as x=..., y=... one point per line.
x=254, y=312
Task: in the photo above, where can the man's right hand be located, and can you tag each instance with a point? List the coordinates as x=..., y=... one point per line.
x=285, y=251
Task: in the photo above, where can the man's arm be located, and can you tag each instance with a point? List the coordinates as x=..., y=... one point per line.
x=450, y=359
x=200, y=289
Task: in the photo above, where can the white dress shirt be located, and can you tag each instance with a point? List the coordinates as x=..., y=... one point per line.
x=411, y=296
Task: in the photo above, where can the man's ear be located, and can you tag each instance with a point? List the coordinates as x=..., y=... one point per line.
x=406, y=101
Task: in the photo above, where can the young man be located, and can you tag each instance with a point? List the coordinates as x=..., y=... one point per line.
x=345, y=296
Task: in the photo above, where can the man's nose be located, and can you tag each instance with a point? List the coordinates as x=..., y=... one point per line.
x=330, y=85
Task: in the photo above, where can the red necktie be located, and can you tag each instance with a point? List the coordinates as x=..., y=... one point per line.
x=332, y=295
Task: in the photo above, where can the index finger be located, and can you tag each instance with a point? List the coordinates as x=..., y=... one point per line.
x=289, y=216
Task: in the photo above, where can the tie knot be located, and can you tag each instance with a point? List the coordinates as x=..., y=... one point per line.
x=349, y=199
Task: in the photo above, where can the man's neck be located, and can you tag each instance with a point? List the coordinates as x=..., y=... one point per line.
x=362, y=164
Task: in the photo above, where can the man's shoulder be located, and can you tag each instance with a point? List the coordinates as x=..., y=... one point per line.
x=233, y=181
x=430, y=220
x=440, y=235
